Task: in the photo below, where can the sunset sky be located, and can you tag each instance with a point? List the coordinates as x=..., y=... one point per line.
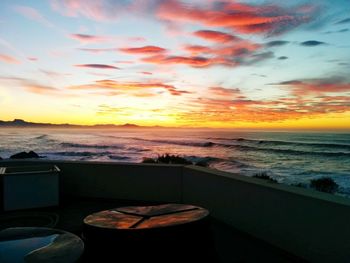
x=235, y=64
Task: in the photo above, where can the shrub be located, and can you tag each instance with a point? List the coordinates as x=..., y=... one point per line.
x=167, y=158
x=324, y=184
x=264, y=176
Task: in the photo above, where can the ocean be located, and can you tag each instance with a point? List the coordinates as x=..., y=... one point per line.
x=288, y=157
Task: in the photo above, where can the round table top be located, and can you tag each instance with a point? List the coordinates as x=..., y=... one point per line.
x=39, y=244
x=146, y=217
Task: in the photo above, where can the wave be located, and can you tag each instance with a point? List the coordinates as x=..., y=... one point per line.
x=81, y=154
x=138, y=150
x=175, y=142
x=41, y=137
x=285, y=151
x=116, y=157
x=279, y=143
x=256, y=147
x=95, y=146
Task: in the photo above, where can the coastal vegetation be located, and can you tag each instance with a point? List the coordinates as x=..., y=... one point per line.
x=174, y=159
x=168, y=159
x=324, y=184
x=265, y=176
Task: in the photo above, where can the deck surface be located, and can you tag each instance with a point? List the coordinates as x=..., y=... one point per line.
x=231, y=245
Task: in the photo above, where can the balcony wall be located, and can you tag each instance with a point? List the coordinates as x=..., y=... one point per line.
x=115, y=180
x=309, y=224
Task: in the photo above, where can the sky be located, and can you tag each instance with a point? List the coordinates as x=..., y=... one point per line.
x=222, y=64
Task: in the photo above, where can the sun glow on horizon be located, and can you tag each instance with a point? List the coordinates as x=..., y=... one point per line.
x=177, y=63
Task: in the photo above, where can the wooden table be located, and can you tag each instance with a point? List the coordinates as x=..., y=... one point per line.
x=143, y=217
x=148, y=232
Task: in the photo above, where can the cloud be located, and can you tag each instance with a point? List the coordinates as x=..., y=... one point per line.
x=40, y=89
x=276, y=43
x=146, y=73
x=32, y=14
x=98, y=50
x=98, y=66
x=249, y=110
x=197, y=49
x=317, y=87
x=124, y=61
x=193, y=61
x=95, y=10
x=312, y=43
x=219, y=91
x=257, y=58
x=83, y=38
x=344, y=30
x=282, y=58
x=215, y=36
x=344, y=21
x=144, y=50
x=131, y=88
x=32, y=58
x=239, y=17
x=54, y=74
x=9, y=59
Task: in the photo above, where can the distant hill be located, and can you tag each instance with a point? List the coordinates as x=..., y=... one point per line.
x=24, y=124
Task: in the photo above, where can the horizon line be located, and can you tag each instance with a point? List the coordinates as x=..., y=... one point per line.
x=137, y=126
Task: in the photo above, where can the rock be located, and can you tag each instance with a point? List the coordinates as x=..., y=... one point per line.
x=25, y=155
x=0, y=158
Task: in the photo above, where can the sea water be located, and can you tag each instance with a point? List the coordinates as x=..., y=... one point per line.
x=288, y=157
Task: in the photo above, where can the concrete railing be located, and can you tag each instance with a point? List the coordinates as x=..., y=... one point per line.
x=117, y=180
x=309, y=224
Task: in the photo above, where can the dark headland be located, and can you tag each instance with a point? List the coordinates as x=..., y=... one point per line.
x=19, y=123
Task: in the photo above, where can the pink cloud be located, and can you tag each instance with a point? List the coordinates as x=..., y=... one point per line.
x=215, y=36
x=32, y=14
x=144, y=50
x=240, y=17
x=197, y=49
x=101, y=10
x=317, y=86
x=98, y=50
x=9, y=59
x=84, y=38
x=97, y=66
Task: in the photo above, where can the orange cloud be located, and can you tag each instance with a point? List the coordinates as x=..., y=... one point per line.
x=193, y=61
x=40, y=89
x=9, y=59
x=133, y=88
x=143, y=50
